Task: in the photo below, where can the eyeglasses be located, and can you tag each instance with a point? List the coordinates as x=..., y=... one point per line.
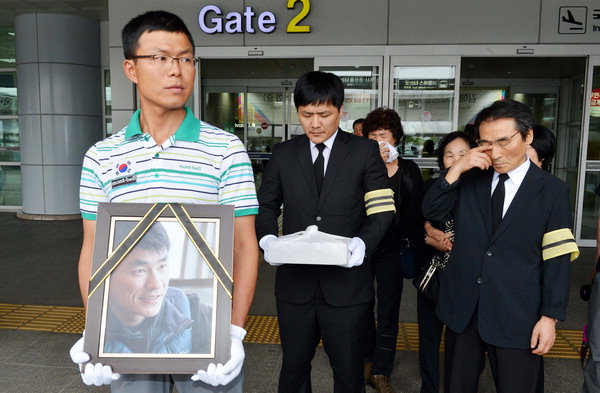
x=502, y=142
x=167, y=61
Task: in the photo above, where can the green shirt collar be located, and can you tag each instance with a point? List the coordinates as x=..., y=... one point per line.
x=188, y=130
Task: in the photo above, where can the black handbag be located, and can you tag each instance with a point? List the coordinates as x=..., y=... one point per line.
x=428, y=280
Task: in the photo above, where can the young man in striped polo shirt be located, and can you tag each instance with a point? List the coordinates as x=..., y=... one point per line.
x=165, y=154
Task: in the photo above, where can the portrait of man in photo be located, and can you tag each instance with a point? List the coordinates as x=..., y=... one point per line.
x=145, y=314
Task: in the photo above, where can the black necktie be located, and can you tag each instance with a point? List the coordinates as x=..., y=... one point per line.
x=498, y=201
x=319, y=166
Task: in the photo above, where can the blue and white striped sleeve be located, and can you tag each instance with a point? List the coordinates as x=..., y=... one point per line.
x=237, y=180
x=90, y=186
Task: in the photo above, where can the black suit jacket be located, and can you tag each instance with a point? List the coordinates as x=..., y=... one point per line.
x=354, y=168
x=502, y=275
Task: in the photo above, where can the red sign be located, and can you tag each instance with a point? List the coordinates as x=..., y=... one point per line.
x=425, y=116
x=264, y=125
x=595, y=104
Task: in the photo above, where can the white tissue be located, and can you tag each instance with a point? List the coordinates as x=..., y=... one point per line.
x=393, y=151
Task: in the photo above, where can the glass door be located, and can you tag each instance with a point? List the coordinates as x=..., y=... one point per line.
x=588, y=201
x=362, y=80
x=424, y=92
x=10, y=146
x=266, y=118
x=259, y=116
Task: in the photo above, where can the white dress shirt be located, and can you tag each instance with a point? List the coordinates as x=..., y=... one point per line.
x=314, y=152
x=512, y=184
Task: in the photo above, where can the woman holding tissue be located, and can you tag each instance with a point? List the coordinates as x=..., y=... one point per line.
x=384, y=126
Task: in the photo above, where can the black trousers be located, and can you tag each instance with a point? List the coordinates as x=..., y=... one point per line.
x=302, y=326
x=430, y=336
x=513, y=370
x=381, y=339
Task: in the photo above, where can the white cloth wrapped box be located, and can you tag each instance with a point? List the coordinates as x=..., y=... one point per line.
x=310, y=247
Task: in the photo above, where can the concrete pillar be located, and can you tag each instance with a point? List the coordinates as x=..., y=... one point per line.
x=60, y=107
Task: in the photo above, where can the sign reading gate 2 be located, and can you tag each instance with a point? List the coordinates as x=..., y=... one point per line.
x=212, y=21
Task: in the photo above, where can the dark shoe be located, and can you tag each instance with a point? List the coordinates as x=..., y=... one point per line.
x=367, y=371
x=381, y=383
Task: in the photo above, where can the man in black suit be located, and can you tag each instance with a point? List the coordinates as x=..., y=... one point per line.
x=507, y=280
x=337, y=181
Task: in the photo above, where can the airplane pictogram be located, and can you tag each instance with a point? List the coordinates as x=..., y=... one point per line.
x=571, y=19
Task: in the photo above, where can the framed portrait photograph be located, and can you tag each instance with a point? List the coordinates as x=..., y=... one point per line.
x=160, y=290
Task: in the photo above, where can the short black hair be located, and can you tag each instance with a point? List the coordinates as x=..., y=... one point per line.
x=446, y=141
x=155, y=238
x=357, y=121
x=318, y=87
x=148, y=22
x=544, y=144
x=511, y=109
x=384, y=119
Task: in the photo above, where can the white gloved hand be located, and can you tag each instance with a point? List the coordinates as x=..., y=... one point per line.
x=220, y=374
x=357, y=252
x=92, y=374
x=264, y=244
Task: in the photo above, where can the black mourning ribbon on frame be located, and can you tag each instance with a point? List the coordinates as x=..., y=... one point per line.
x=138, y=232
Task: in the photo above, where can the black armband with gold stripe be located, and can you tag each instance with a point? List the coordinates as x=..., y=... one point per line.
x=378, y=201
x=559, y=242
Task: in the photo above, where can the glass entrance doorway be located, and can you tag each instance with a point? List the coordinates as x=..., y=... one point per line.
x=589, y=197
x=433, y=94
x=253, y=98
x=259, y=116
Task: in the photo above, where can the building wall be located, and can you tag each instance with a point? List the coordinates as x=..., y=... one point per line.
x=380, y=22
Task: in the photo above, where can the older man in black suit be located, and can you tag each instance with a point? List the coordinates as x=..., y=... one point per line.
x=337, y=181
x=507, y=280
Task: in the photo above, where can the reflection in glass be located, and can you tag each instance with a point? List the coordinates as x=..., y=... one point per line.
x=107, y=94
x=264, y=121
x=474, y=99
x=361, y=91
x=591, y=205
x=226, y=111
x=108, y=126
x=9, y=140
x=424, y=99
x=593, y=151
x=266, y=125
x=8, y=94
x=543, y=106
x=10, y=185
x=7, y=46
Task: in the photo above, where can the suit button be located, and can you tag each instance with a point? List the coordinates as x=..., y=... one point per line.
x=318, y=218
x=478, y=280
x=489, y=253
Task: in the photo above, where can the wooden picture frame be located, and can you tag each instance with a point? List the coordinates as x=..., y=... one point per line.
x=160, y=290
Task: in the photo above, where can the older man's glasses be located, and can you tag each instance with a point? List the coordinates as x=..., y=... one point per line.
x=165, y=61
x=502, y=142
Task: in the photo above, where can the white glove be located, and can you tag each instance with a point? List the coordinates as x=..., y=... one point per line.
x=357, y=252
x=220, y=374
x=264, y=244
x=93, y=374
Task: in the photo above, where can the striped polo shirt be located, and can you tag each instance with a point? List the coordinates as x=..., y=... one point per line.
x=199, y=164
